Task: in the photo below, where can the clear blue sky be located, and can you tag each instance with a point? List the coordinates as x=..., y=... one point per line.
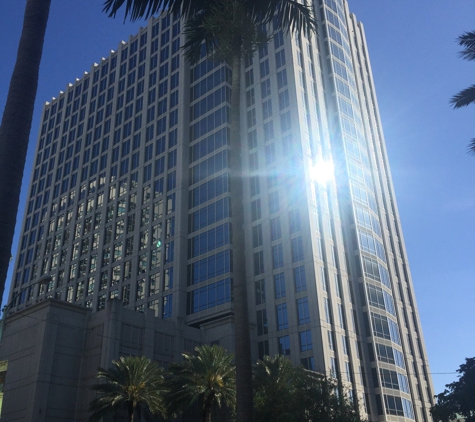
x=416, y=69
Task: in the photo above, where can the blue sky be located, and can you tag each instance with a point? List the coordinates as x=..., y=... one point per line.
x=416, y=69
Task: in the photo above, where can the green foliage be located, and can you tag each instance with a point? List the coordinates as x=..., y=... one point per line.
x=207, y=378
x=228, y=27
x=283, y=393
x=324, y=399
x=275, y=390
x=458, y=399
x=467, y=95
x=133, y=384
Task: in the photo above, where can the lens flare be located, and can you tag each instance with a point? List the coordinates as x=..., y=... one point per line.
x=322, y=172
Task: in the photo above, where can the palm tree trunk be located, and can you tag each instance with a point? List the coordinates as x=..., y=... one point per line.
x=244, y=399
x=16, y=123
x=206, y=414
x=131, y=411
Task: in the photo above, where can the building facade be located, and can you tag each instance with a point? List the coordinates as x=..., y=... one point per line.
x=129, y=199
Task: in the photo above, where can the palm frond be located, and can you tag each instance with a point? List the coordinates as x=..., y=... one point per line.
x=467, y=40
x=471, y=147
x=196, y=33
x=464, y=97
x=207, y=376
x=288, y=15
x=143, y=9
x=130, y=380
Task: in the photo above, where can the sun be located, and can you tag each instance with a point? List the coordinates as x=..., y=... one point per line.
x=322, y=172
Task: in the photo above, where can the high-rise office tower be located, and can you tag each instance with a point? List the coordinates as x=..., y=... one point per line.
x=130, y=199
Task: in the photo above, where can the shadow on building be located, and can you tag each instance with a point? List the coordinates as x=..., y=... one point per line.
x=54, y=348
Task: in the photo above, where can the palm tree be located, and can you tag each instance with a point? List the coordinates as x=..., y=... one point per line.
x=16, y=123
x=134, y=384
x=275, y=390
x=230, y=30
x=466, y=96
x=208, y=377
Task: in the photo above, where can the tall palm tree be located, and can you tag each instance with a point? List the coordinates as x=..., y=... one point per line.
x=230, y=29
x=134, y=384
x=466, y=96
x=16, y=123
x=207, y=378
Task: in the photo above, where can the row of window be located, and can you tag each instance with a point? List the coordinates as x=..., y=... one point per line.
x=398, y=406
x=283, y=342
x=394, y=380
x=376, y=271
x=381, y=299
x=210, y=267
x=385, y=327
x=300, y=285
x=210, y=214
x=277, y=256
x=209, y=296
x=212, y=239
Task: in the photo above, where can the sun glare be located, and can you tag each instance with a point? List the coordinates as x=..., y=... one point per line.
x=321, y=172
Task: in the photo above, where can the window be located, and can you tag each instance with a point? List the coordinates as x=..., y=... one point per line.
x=142, y=264
x=333, y=368
x=308, y=363
x=140, y=292
x=337, y=285
x=267, y=109
x=154, y=284
x=277, y=256
x=260, y=286
x=265, y=88
x=380, y=326
x=263, y=349
x=257, y=235
x=327, y=310
x=256, y=209
x=330, y=340
x=168, y=278
x=282, y=78
x=279, y=285
x=282, y=318
x=344, y=344
x=262, y=327
x=284, y=345
x=167, y=308
x=258, y=262
x=300, y=279
x=275, y=228
x=340, y=315
x=269, y=151
x=208, y=296
x=375, y=296
x=348, y=371
x=294, y=221
x=279, y=58
x=264, y=68
x=269, y=133
x=297, y=249
x=394, y=406
x=274, y=202
x=303, y=311
x=306, y=341
x=255, y=187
